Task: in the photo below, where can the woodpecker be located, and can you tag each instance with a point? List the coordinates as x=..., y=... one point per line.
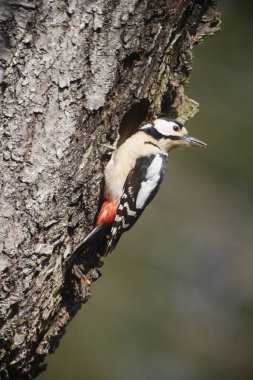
x=132, y=178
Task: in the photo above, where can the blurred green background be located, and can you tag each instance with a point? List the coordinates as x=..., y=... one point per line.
x=175, y=300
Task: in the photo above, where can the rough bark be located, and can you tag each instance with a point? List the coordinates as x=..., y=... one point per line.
x=75, y=74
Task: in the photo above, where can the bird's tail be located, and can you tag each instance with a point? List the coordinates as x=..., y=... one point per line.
x=91, y=237
x=96, y=241
x=91, y=243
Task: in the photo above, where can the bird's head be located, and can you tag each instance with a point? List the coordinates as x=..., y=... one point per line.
x=170, y=133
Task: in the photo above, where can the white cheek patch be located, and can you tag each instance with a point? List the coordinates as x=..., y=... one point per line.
x=165, y=127
x=151, y=180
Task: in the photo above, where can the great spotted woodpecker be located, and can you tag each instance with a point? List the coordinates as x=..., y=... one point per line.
x=132, y=178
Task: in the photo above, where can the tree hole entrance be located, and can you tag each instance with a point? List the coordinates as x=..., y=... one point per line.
x=133, y=119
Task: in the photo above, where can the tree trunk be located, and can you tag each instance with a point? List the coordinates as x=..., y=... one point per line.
x=75, y=75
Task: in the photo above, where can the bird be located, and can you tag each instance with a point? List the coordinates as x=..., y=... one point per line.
x=133, y=176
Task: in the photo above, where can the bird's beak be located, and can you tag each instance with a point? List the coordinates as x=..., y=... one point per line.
x=189, y=140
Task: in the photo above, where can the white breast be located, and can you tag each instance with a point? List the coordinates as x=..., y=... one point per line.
x=122, y=161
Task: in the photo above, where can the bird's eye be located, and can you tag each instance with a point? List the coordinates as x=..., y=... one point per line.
x=176, y=128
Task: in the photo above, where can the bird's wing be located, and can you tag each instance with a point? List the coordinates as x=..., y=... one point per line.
x=140, y=187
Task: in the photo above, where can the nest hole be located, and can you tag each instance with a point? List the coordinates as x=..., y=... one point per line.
x=132, y=120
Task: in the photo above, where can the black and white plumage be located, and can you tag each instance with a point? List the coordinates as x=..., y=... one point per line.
x=132, y=178
x=141, y=185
